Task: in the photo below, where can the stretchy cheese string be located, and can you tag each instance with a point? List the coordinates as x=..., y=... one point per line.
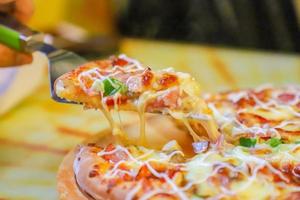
x=134, y=66
x=141, y=111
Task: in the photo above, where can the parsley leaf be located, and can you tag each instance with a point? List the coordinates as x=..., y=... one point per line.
x=274, y=142
x=111, y=86
x=247, y=142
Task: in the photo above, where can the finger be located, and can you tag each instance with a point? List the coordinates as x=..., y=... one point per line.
x=11, y=58
x=6, y=1
x=23, y=10
x=23, y=58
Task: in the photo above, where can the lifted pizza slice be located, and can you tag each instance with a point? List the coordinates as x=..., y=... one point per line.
x=122, y=83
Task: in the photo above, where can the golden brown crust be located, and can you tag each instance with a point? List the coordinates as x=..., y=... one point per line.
x=69, y=189
x=66, y=184
x=68, y=87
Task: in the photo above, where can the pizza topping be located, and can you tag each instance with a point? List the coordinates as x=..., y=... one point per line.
x=134, y=84
x=264, y=113
x=274, y=142
x=93, y=173
x=286, y=97
x=290, y=172
x=167, y=80
x=296, y=171
x=229, y=172
x=247, y=142
x=135, y=63
x=293, y=196
x=147, y=77
x=109, y=86
x=168, y=99
x=244, y=168
x=113, y=154
x=120, y=62
x=158, y=170
x=201, y=146
x=144, y=172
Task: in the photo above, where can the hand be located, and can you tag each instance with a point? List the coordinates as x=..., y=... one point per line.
x=23, y=11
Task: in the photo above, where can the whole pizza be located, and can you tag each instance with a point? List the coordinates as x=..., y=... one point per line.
x=242, y=144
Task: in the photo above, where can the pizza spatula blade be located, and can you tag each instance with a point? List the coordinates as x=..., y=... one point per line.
x=60, y=60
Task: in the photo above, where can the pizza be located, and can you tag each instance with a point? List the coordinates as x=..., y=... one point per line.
x=135, y=172
x=122, y=83
x=263, y=114
x=255, y=154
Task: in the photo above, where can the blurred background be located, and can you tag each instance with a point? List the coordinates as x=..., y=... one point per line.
x=224, y=44
x=251, y=24
x=231, y=40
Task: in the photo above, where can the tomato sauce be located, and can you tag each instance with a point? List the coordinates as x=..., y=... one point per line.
x=286, y=97
x=147, y=77
x=167, y=80
x=120, y=62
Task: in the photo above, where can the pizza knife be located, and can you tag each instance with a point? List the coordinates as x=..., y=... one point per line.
x=21, y=38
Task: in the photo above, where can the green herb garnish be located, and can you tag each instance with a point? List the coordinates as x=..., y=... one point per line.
x=274, y=142
x=111, y=86
x=247, y=142
x=297, y=142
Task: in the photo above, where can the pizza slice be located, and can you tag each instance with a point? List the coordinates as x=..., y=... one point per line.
x=121, y=83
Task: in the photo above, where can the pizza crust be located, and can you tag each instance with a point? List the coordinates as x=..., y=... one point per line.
x=66, y=183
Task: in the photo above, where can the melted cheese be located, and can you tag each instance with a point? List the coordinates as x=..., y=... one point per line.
x=114, y=126
x=196, y=107
x=236, y=96
x=141, y=111
x=137, y=162
x=272, y=113
x=237, y=160
x=133, y=192
x=201, y=171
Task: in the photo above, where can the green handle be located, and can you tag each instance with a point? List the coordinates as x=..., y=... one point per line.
x=10, y=38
